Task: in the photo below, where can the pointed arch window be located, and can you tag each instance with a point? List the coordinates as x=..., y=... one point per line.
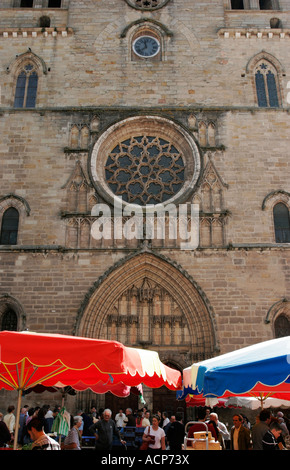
x=26, y=87
x=9, y=229
x=281, y=223
x=266, y=81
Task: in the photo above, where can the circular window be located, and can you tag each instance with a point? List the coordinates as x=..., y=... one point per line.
x=147, y=4
x=145, y=160
x=145, y=170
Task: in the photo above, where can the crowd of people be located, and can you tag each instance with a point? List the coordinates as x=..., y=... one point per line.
x=268, y=433
x=160, y=431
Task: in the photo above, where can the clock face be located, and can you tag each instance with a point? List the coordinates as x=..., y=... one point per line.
x=146, y=46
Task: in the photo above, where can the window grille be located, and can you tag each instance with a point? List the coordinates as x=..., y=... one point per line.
x=26, y=88
x=266, y=86
x=281, y=223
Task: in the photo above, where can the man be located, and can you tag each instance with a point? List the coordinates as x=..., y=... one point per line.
x=104, y=430
x=146, y=419
x=165, y=419
x=175, y=434
x=119, y=418
x=260, y=428
x=224, y=433
x=240, y=436
x=129, y=420
x=270, y=439
x=167, y=426
x=41, y=441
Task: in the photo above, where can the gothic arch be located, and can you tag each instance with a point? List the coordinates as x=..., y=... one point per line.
x=263, y=55
x=279, y=311
x=143, y=275
x=8, y=305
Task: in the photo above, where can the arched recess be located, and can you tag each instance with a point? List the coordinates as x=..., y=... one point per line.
x=148, y=301
x=12, y=315
x=278, y=316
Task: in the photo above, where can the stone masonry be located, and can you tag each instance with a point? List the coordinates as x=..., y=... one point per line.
x=199, y=94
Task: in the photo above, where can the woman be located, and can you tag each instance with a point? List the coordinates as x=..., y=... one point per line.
x=155, y=435
x=139, y=419
x=72, y=440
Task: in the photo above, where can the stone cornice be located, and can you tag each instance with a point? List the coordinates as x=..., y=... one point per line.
x=260, y=247
x=257, y=33
x=35, y=32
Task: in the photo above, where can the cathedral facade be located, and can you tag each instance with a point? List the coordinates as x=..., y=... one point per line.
x=145, y=173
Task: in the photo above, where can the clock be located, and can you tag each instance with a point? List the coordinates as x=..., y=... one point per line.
x=146, y=46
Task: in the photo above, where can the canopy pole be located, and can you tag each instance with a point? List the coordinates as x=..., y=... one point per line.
x=17, y=419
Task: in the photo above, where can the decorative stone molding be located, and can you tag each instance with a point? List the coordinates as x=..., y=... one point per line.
x=35, y=32
x=247, y=33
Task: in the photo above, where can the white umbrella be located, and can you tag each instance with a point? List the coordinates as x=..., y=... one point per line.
x=253, y=403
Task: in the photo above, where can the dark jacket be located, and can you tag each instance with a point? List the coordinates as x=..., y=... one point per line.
x=131, y=420
x=5, y=435
x=244, y=439
x=105, y=431
x=269, y=442
x=175, y=436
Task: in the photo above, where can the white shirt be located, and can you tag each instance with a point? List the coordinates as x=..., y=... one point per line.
x=158, y=434
x=119, y=418
x=166, y=421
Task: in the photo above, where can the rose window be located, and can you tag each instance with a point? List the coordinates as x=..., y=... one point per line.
x=145, y=170
x=147, y=4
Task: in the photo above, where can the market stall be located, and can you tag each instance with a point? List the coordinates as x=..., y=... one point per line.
x=28, y=359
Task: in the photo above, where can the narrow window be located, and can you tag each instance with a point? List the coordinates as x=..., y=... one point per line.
x=9, y=321
x=26, y=88
x=281, y=223
x=54, y=4
x=26, y=4
x=266, y=85
x=9, y=230
x=237, y=4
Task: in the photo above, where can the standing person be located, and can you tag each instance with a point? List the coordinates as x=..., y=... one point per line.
x=139, y=419
x=5, y=435
x=41, y=441
x=129, y=420
x=240, y=435
x=172, y=420
x=260, y=428
x=48, y=419
x=224, y=435
x=72, y=440
x=175, y=434
x=270, y=439
x=155, y=435
x=22, y=420
x=104, y=430
x=165, y=419
x=9, y=420
x=119, y=418
x=146, y=419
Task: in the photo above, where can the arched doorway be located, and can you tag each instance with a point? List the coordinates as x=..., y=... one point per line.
x=147, y=301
